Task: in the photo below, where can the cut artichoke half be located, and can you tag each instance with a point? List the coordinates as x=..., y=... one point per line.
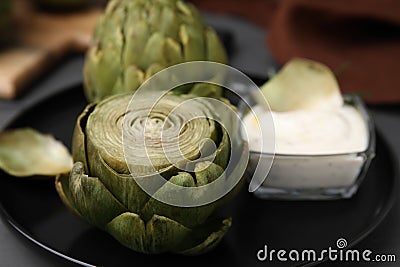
x=302, y=84
x=26, y=152
x=101, y=189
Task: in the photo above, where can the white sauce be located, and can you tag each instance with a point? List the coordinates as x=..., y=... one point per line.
x=309, y=132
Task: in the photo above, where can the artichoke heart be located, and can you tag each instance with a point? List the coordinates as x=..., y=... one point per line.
x=135, y=39
x=102, y=186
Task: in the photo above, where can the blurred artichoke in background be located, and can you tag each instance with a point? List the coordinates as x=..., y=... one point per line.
x=62, y=5
x=101, y=189
x=5, y=15
x=137, y=38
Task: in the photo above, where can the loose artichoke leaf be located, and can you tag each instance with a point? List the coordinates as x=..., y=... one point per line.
x=207, y=237
x=302, y=84
x=188, y=216
x=26, y=152
x=92, y=199
x=158, y=235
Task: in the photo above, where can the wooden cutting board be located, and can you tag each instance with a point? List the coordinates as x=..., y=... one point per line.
x=38, y=41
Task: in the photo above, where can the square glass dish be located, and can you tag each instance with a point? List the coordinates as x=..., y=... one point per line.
x=312, y=177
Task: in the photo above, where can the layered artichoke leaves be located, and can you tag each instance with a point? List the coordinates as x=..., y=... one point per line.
x=135, y=39
x=101, y=189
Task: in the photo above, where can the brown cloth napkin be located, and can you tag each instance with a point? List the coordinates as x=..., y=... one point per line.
x=358, y=39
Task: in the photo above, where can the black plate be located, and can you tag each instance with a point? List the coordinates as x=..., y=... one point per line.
x=33, y=208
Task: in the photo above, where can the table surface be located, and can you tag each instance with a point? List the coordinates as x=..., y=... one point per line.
x=250, y=55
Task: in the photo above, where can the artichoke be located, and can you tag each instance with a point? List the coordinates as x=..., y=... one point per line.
x=137, y=38
x=101, y=187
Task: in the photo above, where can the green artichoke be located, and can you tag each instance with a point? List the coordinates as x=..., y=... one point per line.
x=137, y=38
x=101, y=190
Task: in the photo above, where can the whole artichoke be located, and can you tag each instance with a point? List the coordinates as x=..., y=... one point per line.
x=137, y=38
x=101, y=189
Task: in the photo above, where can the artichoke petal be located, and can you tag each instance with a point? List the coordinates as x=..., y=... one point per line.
x=153, y=69
x=129, y=229
x=62, y=187
x=172, y=52
x=214, y=47
x=170, y=23
x=192, y=42
x=154, y=16
x=101, y=71
x=206, y=90
x=188, y=216
x=91, y=199
x=158, y=235
x=153, y=51
x=164, y=234
x=137, y=35
x=212, y=240
x=79, y=152
x=26, y=152
x=123, y=187
x=223, y=150
x=207, y=172
x=134, y=77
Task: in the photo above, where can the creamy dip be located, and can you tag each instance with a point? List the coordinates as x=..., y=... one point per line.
x=308, y=132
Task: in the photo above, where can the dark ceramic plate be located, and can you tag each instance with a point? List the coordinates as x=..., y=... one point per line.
x=33, y=208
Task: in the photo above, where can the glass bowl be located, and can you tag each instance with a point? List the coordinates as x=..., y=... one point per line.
x=312, y=177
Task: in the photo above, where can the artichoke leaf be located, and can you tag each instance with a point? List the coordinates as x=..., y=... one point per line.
x=133, y=78
x=188, y=216
x=122, y=186
x=170, y=23
x=223, y=150
x=62, y=187
x=26, y=152
x=216, y=231
x=193, y=43
x=206, y=90
x=79, y=152
x=172, y=52
x=153, y=51
x=101, y=71
x=137, y=35
x=302, y=84
x=214, y=47
x=160, y=234
x=91, y=198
